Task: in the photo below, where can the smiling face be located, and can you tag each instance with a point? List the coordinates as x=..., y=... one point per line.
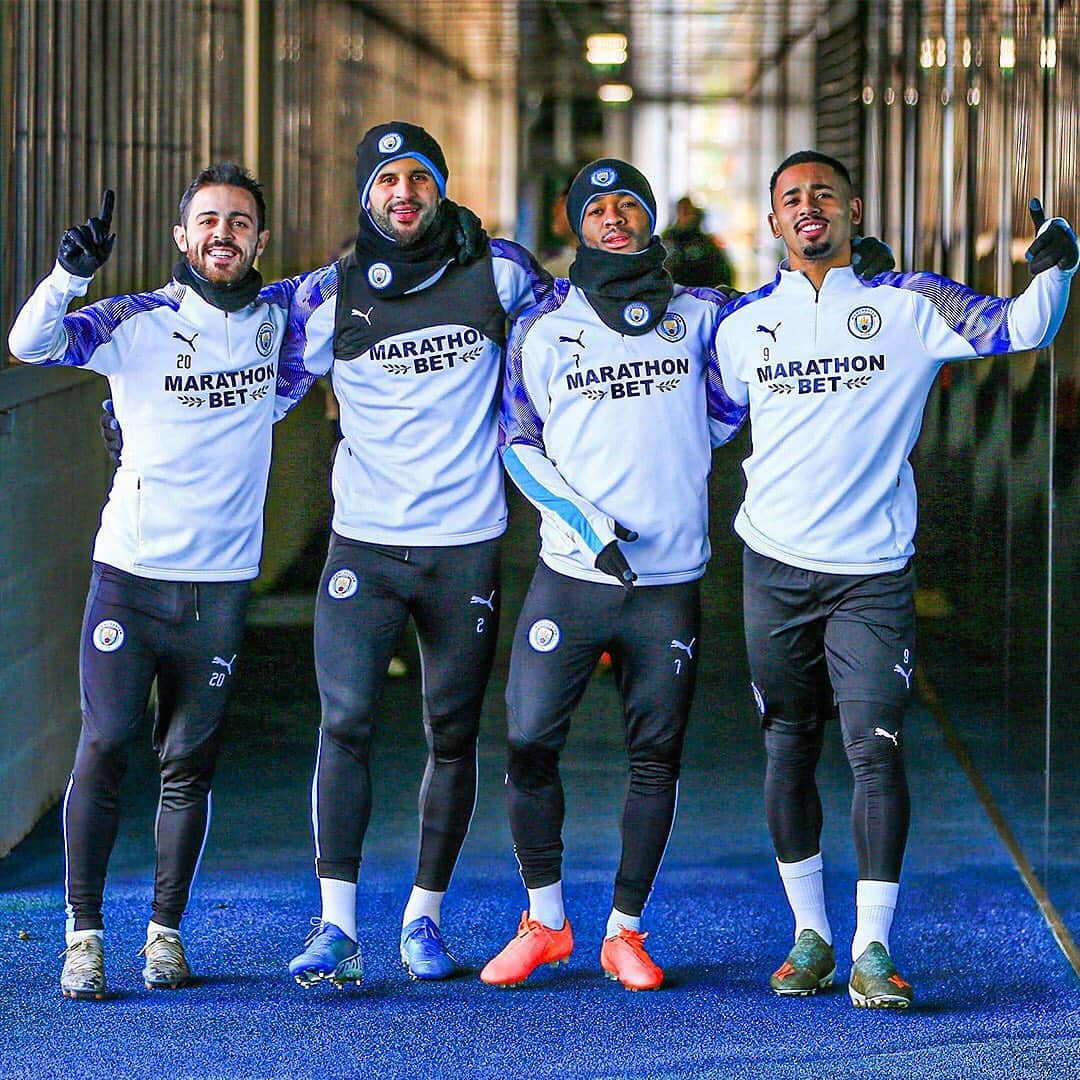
x=220, y=236
x=404, y=199
x=616, y=222
x=814, y=213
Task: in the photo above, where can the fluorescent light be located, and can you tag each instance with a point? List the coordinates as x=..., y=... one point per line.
x=615, y=92
x=606, y=50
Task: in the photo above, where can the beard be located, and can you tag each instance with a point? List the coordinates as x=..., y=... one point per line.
x=384, y=220
x=817, y=251
x=221, y=275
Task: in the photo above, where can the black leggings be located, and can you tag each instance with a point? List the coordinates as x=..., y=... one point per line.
x=188, y=637
x=366, y=595
x=881, y=807
x=652, y=635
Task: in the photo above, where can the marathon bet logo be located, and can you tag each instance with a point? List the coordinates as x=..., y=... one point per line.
x=434, y=352
x=222, y=389
x=824, y=375
x=630, y=379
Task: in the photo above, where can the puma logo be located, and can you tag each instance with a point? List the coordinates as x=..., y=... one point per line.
x=189, y=342
x=765, y=330
x=578, y=341
x=895, y=736
x=688, y=649
x=226, y=664
x=365, y=315
x=489, y=603
x=905, y=675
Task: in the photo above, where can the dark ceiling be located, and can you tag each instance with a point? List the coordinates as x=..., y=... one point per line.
x=679, y=50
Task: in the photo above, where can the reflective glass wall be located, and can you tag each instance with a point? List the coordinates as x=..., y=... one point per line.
x=969, y=110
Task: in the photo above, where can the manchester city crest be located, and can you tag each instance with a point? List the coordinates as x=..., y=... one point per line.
x=379, y=275
x=603, y=177
x=390, y=143
x=341, y=585
x=264, y=338
x=864, y=322
x=672, y=327
x=636, y=313
x=544, y=635
x=108, y=636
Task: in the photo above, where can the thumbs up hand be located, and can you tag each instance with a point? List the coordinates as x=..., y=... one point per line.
x=1054, y=243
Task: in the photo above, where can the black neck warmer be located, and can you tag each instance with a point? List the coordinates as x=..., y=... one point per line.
x=629, y=292
x=231, y=297
x=393, y=269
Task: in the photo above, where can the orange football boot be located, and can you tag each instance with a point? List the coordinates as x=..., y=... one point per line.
x=623, y=957
x=533, y=945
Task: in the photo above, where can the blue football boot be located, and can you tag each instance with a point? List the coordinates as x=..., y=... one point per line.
x=329, y=953
x=423, y=951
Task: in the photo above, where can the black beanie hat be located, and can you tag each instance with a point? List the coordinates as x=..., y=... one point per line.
x=602, y=177
x=389, y=142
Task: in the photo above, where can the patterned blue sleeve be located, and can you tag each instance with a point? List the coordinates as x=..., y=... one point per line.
x=519, y=421
x=293, y=378
x=539, y=281
x=727, y=414
x=94, y=325
x=982, y=321
x=310, y=292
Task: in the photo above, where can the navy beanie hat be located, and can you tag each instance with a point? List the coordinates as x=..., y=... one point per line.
x=602, y=177
x=389, y=142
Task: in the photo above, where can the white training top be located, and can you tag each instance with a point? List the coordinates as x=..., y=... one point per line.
x=419, y=462
x=196, y=391
x=837, y=381
x=599, y=427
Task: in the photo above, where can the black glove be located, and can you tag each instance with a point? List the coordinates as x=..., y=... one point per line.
x=469, y=234
x=84, y=248
x=870, y=256
x=110, y=430
x=612, y=561
x=1054, y=246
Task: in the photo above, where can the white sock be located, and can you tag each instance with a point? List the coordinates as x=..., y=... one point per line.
x=423, y=902
x=153, y=929
x=339, y=904
x=546, y=906
x=619, y=918
x=875, y=905
x=73, y=937
x=805, y=889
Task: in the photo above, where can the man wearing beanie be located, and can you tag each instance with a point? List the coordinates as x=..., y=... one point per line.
x=413, y=334
x=611, y=397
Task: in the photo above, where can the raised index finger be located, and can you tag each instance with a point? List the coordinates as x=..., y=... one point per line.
x=1038, y=214
x=108, y=199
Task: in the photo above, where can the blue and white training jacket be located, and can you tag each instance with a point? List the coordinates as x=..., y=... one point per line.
x=837, y=381
x=418, y=395
x=196, y=391
x=599, y=427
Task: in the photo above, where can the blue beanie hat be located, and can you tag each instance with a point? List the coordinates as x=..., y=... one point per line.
x=390, y=142
x=603, y=177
